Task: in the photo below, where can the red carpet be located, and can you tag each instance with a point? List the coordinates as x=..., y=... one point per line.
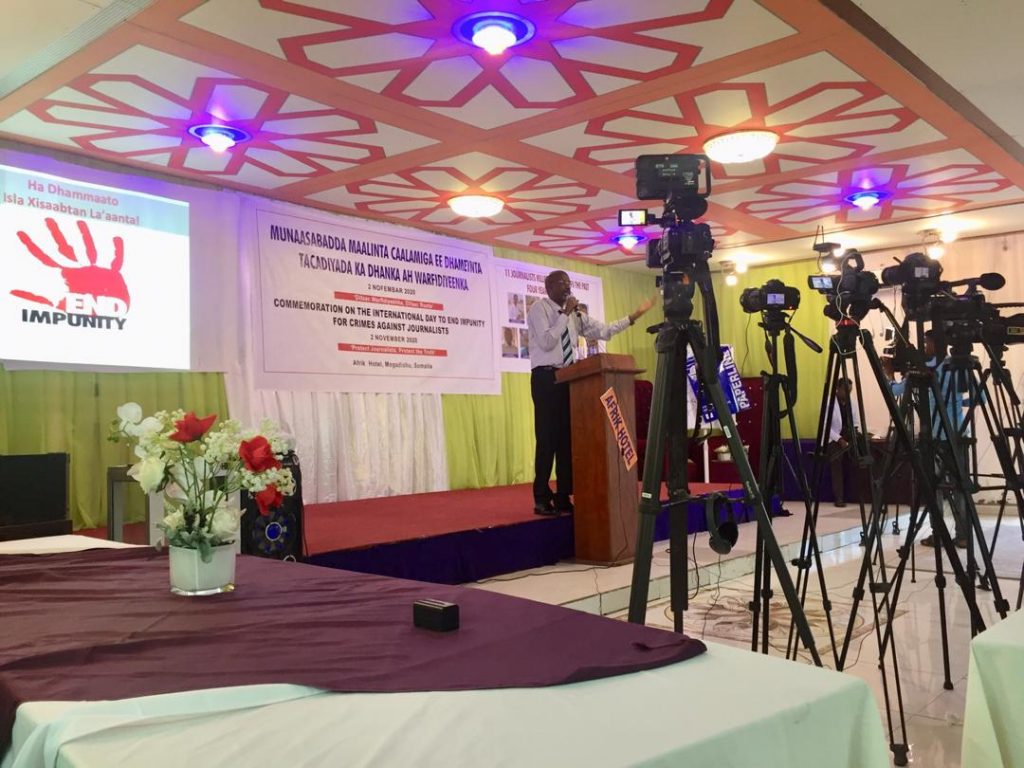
x=365, y=522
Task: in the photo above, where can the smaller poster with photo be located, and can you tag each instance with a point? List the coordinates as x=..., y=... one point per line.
x=518, y=286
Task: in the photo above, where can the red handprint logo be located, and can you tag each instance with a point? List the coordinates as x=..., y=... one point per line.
x=92, y=289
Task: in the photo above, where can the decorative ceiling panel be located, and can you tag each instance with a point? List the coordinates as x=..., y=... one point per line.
x=944, y=182
x=139, y=105
x=379, y=109
x=420, y=194
x=405, y=50
x=821, y=110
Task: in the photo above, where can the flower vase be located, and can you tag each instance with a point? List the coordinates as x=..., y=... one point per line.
x=191, y=577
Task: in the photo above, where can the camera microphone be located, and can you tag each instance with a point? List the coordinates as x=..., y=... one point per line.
x=990, y=281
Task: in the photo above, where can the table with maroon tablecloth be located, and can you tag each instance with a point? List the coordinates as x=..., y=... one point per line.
x=103, y=625
x=424, y=699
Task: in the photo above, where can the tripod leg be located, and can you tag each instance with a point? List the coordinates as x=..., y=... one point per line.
x=709, y=377
x=678, y=495
x=665, y=378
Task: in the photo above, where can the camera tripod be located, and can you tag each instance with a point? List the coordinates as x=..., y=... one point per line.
x=668, y=426
x=929, y=466
x=780, y=394
x=995, y=403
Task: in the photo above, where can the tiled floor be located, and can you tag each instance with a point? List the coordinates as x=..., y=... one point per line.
x=718, y=611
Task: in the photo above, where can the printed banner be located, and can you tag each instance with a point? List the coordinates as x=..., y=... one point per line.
x=517, y=285
x=362, y=306
x=618, y=423
x=732, y=384
x=92, y=275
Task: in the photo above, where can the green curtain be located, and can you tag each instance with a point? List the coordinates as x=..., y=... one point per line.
x=741, y=331
x=70, y=412
x=490, y=439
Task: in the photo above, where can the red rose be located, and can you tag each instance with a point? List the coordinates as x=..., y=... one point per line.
x=258, y=455
x=269, y=498
x=191, y=428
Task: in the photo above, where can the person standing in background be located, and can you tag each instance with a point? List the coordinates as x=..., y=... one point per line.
x=842, y=432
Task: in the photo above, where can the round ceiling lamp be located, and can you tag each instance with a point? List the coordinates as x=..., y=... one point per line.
x=740, y=146
x=493, y=31
x=219, y=138
x=476, y=206
x=933, y=244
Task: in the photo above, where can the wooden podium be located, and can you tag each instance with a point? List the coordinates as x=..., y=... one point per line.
x=605, y=491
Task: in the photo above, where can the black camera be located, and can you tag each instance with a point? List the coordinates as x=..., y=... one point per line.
x=679, y=245
x=998, y=331
x=851, y=293
x=773, y=295
x=917, y=271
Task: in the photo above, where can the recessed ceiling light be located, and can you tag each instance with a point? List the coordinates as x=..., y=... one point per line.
x=866, y=200
x=219, y=138
x=740, y=146
x=494, y=37
x=629, y=240
x=494, y=31
x=476, y=206
x=731, y=279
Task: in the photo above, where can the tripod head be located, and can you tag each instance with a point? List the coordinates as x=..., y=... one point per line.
x=850, y=294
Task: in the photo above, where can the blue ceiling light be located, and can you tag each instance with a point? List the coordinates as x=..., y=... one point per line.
x=494, y=31
x=867, y=199
x=219, y=137
x=629, y=240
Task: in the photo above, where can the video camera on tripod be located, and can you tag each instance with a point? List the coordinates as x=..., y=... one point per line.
x=682, y=254
x=851, y=293
x=959, y=319
x=684, y=247
x=773, y=295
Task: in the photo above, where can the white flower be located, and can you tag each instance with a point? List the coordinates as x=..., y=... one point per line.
x=174, y=521
x=175, y=492
x=224, y=525
x=129, y=413
x=147, y=428
x=149, y=473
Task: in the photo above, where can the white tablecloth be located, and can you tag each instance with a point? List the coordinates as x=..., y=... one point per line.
x=994, y=716
x=728, y=707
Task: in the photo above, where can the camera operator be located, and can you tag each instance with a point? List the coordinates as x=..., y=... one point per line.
x=954, y=404
x=842, y=432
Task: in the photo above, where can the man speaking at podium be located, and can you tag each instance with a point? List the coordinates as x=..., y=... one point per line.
x=555, y=328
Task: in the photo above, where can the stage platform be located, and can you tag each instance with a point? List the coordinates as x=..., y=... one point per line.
x=454, y=537
x=450, y=537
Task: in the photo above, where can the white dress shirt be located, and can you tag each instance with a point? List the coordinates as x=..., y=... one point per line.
x=546, y=323
x=835, y=428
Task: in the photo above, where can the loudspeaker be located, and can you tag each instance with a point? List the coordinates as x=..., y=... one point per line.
x=277, y=535
x=723, y=535
x=34, y=488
